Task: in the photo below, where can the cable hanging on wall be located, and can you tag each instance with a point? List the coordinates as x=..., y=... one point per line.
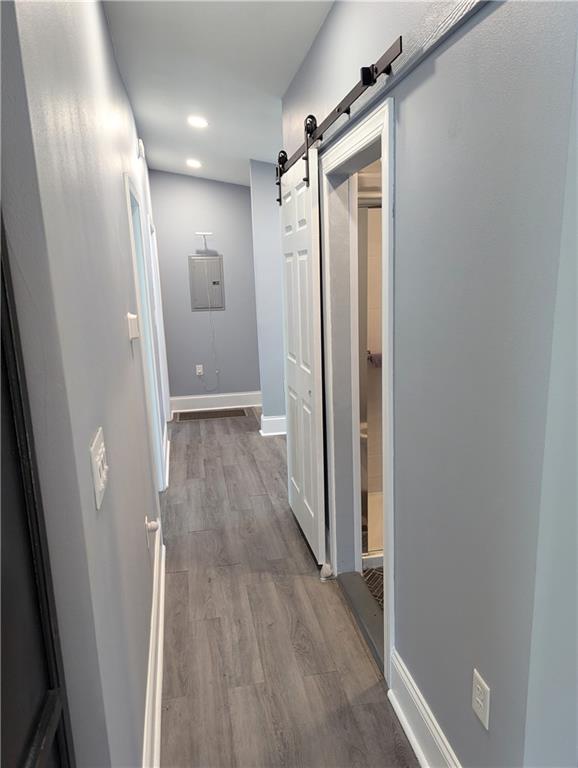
x=206, y=251
x=314, y=132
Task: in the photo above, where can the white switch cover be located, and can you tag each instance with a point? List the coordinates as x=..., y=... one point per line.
x=199, y=370
x=481, y=699
x=133, y=326
x=99, y=466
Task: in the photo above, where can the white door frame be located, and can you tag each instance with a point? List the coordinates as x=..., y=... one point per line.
x=160, y=341
x=378, y=126
x=153, y=404
x=354, y=342
x=160, y=322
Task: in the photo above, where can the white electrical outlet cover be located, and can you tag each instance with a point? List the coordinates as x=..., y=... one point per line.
x=199, y=370
x=99, y=466
x=481, y=699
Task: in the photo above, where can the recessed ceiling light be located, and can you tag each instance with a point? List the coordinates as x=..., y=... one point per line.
x=195, y=121
x=192, y=163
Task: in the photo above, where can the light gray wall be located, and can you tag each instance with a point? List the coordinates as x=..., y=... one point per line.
x=68, y=135
x=482, y=132
x=552, y=731
x=475, y=296
x=354, y=34
x=184, y=205
x=268, y=263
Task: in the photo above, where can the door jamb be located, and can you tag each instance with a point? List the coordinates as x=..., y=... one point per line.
x=377, y=126
x=354, y=342
x=158, y=463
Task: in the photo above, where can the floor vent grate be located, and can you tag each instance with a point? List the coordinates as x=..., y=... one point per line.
x=224, y=414
x=373, y=577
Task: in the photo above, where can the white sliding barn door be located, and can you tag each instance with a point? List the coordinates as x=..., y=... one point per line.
x=303, y=374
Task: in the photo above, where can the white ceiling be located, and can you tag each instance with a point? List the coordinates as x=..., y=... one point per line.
x=230, y=62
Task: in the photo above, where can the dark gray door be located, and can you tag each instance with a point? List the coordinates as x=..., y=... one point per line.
x=35, y=724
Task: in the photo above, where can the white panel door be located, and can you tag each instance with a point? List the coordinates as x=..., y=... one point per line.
x=303, y=375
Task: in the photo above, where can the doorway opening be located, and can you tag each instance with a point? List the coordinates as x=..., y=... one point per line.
x=370, y=375
x=357, y=238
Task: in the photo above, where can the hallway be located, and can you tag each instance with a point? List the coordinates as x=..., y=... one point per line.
x=263, y=664
x=289, y=288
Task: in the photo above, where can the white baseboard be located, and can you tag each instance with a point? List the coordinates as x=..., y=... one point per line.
x=215, y=402
x=151, y=754
x=273, y=425
x=429, y=742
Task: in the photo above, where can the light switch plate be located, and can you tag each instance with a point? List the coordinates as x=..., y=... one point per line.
x=133, y=326
x=481, y=699
x=99, y=466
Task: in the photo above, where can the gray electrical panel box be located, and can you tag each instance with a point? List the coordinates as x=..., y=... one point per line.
x=206, y=282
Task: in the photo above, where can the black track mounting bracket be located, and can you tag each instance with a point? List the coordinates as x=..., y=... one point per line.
x=368, y=75
x=309, y=128
x=281, y=160
x=314, y=132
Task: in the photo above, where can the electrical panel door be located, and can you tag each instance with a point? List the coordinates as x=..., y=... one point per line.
x=206, y=283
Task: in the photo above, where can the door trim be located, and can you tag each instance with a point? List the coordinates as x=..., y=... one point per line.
x=376, y=126
x=152, y=395
x=151, y=754
x=164, y=394
x=355, y=393
x=54, y=719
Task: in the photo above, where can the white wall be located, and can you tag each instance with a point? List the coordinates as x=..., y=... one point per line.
x=68, y=137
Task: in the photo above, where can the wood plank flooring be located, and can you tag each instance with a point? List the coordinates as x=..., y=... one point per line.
x=263, y=664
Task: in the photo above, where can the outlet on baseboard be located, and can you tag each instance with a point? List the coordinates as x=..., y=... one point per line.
x=481, y=699
x=199, y=370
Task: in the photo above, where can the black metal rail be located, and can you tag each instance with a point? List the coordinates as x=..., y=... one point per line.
x=314, y=132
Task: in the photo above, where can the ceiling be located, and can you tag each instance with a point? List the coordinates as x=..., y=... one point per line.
x=230, y=62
